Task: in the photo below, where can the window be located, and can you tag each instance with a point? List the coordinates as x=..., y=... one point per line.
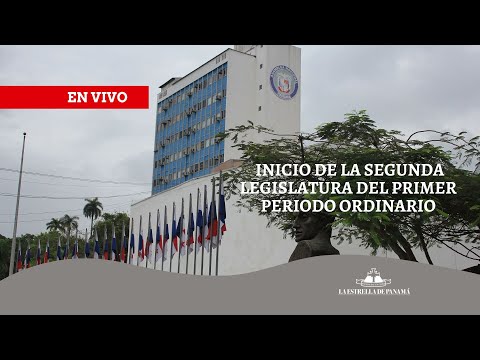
x=261, y=66
x=202, y=144
x=196, y=167
x=209, y=101
x=259, y=108
x=260, y=87
x=201, y=166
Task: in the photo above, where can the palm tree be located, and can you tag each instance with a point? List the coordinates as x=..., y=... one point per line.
x=93, y=209
x=55, y=224
x=69, y=222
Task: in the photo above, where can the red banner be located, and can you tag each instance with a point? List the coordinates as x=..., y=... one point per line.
x=74, y=97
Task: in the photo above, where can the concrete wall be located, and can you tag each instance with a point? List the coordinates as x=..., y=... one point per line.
x=247, y=246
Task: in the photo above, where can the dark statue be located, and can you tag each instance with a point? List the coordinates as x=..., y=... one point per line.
x=312, y=234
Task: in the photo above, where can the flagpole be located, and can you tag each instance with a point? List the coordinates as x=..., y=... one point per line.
x=188, y=230
x=211, y=226
x=171, y=242
x=164, y=233
x=180, y=221
x=14, y=239
x=220, y=184
x=196, y=236
x=204, y=222
x=157, y=229
x=148, y=239
x=139, y=234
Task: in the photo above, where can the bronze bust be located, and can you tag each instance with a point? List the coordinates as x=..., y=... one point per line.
x=312, y=234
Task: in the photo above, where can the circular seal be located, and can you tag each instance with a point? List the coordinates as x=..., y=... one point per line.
x=284, y=82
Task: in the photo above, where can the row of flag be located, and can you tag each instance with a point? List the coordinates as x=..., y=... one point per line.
x=183, y=240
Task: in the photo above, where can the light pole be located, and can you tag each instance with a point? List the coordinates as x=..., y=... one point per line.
x=14, y=239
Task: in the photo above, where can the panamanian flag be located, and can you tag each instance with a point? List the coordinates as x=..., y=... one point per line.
x=114, y=246
x=190, y=233
x=87, y=248
x=132, y=247
x=141, y=249
x=96, y=250
x=174, y=238
x=75, y=250
x=165, y=242
x=200, y=229
x=105, y=250
x=19, y=257
x=59, y=250
x=46, y=256
x=39, y=253
x=212, y=226
x=27, y=258
x=149, y=251
x=181, y=235
x=123, y=252
x=161, y=253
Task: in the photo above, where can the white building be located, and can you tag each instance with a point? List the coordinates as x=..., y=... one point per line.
x=258, y=83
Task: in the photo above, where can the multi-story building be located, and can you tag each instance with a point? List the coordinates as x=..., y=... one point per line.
x=257, y=83
x=228, y=90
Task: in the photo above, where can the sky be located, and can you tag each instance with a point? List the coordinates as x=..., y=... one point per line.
x=406, y=88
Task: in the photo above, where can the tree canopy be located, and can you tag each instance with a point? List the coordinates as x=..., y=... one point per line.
x=357, y=140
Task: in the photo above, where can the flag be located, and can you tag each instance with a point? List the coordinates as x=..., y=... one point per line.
x=39, y=253
x=105, y=250
x=75, y=250
x=132, y=246
x=174, y=238
x=212, y=226
x=222, y=212
x=96, y=251
x=181, y=235
x=27, y=258
x=46, y=256
x=87, y=248
x=114, y=246
x=19, y=257
x=149, y=251
x=141, y=250
x=123, y=252
x=160, y=244
x=65, y=252
x=200, y=229
x=191, y=230
x=59, y=250
x=165, y=242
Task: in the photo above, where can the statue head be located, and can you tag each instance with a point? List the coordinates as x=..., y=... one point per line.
x=311, y=225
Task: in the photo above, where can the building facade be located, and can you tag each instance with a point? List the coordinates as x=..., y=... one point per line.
x=257, y=83
x=229, y=90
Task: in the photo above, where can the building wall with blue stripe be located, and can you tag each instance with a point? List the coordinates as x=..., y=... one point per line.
x=170, y=121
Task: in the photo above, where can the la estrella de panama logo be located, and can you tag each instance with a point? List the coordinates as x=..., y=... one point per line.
x=374, y=284
x=284, y=82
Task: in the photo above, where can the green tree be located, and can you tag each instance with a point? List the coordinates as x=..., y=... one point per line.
x=358, y=141
x=69, y=223
x=93, y=210
x=106, y=222
x=55, y=225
